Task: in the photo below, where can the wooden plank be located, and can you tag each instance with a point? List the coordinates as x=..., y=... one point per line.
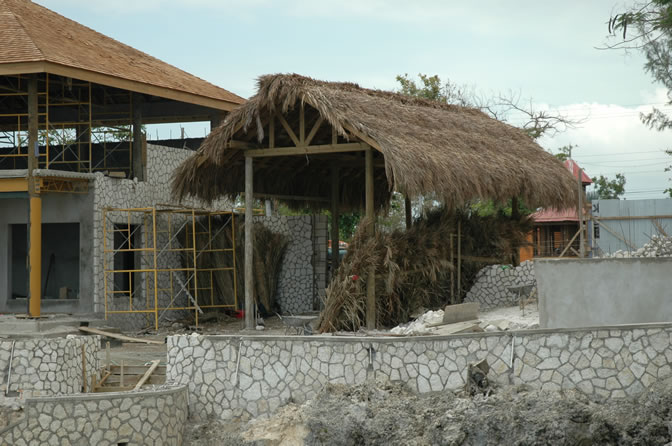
x=119, y=336
x=564, y=251
x=114, y=389
x=616, y=234
x=104, y=379
x=137, y=369
x=147, y=374
x=633, y=217
x=306, y=150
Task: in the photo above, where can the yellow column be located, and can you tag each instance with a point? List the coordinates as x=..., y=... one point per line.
x=35, y=205
x=35, y=256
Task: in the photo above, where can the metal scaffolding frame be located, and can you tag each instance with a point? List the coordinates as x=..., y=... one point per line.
x=66, y=145
x=163, y=277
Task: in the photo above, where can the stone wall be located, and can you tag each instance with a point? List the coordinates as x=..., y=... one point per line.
x=127, y=193
x=47, y=366
x=152, y=417
x=491, y=287
x=232, y=376
x=300, y=272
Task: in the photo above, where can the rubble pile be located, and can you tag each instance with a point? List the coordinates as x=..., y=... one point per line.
x=659, y=246
x=382, y=413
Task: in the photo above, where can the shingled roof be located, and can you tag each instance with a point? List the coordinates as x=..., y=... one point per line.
x=458, y=153
x=36, y=39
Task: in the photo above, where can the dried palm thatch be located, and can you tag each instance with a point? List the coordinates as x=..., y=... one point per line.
x=413, y=268
x=269, y=249
x=421, y=147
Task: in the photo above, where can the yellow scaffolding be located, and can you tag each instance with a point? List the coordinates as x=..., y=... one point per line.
x=170, y=262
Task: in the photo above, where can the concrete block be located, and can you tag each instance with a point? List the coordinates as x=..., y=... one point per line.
x=460, y=312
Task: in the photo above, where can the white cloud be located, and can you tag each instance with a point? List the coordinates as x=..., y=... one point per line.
x=613, y=140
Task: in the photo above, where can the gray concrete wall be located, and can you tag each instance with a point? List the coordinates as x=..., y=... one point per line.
x=594, y=292
x=56, y=208
x=637, y=231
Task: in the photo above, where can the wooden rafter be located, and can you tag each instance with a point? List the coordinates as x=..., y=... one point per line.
x=307, y=150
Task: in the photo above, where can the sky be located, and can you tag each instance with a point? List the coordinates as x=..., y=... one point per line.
x=544, y=52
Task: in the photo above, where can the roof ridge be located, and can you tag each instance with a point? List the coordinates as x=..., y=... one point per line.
x=24, y=28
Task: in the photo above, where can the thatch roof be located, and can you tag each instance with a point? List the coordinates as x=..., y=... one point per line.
x=36, y=39
x=422, y=147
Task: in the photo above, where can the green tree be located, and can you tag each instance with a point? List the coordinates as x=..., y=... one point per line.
x=605, y=189
x=647, y=27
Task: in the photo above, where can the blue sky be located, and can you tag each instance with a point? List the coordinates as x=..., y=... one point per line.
x=544, y=52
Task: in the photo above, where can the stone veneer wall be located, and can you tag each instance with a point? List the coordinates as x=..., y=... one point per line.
x=128, y=193
x=232, y=376
x=299, y=275
x=153, y=417
x=47, y=366
x=491, y=287
x=303, y=271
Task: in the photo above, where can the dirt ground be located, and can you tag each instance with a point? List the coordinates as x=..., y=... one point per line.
x=388, y=413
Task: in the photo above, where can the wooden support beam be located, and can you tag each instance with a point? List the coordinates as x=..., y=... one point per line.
x=569, y=244
x=313, y=131
x=249, y=239
x=306, y=150
x=579, y=215
x=148, y=373
x=335, y=199
x=292, y=197
x=371, y=276
x=609, y=229
x=271, y=131
x=288, y=129
x=302, y=124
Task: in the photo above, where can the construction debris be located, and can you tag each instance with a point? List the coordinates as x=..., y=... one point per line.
x=659, y=246
x=460, y=313
x=377, y=413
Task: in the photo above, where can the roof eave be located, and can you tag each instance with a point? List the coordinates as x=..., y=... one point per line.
x=8, y=69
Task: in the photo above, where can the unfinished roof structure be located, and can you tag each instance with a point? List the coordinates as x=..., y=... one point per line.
x=420, y=147
x=36, y=40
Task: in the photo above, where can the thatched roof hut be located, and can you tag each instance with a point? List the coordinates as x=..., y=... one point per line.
x=420, y=147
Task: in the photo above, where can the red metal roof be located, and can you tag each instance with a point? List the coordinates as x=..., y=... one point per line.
x=574, y=168
x=554, y=215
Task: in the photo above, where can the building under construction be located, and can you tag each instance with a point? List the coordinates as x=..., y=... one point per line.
x=73, y=106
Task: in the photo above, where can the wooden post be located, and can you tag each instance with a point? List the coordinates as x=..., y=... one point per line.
x=121, y=374
x=35, y=207
x=249, y=234
x=138, y=168
x=515, y=216
x=107, y=356
x=452, y=271
x=408, y=211
x=335, y=252
x=371, y=276
x=84, y=383
x=459, y=259
x=579, y=215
